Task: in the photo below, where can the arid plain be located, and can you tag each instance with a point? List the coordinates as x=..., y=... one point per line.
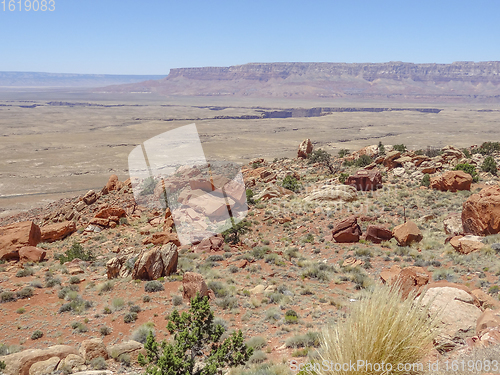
x=57, y=144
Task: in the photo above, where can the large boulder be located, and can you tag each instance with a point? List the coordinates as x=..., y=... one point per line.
x=123, y=264
x=20, y=363
x=90, y=197
x=377, y=233
x=93, y=348
x=467, y=244
x=452, y=181
x=163, y=238
x=408, y=279
x=210, y=244
x=453, y=224
x=332, y=193
x=46, y=367
x=481, y=212
x=155, y=263
x=31, y=254
x=107, y=212
x=389, y=159
x=347, y=230
x=131, y=348
x=456, y=312
x=57, y=231
x=112, y=184
x=193, y=283
x=305, y=148
x=407, y=233
x=15, y=236
x=364, y=180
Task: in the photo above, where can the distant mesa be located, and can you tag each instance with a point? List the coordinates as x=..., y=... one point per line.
x=459, y=81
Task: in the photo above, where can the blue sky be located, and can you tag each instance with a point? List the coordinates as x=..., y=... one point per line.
x=150, y=36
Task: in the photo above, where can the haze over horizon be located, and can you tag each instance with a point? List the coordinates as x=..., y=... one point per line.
x=126, y=37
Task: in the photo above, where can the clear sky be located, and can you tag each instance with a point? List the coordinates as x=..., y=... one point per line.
x=152, y=36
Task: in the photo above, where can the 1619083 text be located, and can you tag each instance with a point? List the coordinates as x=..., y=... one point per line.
x=28, y=5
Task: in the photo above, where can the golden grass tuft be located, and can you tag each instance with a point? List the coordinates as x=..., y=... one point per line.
x=380, y=328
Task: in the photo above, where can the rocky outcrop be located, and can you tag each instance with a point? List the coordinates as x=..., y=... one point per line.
x=112, y=184
x=20, y=363
x=457, y=315
x=347, y=230
x=193, y=283
x=93, y=348
x=377, y=233
x=332, y=194
x=365, y=180
x=481, y=212
x=15, y=236
x=452, y=181
x=305, y=148
x=407, y=233
x=57, y=231
x=156, y=262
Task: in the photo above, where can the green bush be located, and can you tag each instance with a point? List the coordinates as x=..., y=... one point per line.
x=468, y=168
x=36, y=335
x=256, y=342
x=232, y=235
x=2, y=366
x=153, y=286
x=343, y=152
x=489, y=165
x=381, y=149
x=7, y=296
x=363, y=161
x=76, y=251
x=25, y=272
x=324, y=158
x=26, y=292
x=105, y=331
x=195, y=337
x=249, y=194
x=487, y=148
x=147, y=187
x=400, y=148
x=291, y=183
x=343, y=177
x=130, y=317
x=74, y=280
x=426, y=180
x=141, y=334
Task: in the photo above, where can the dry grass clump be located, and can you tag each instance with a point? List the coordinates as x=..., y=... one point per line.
x=381, y=328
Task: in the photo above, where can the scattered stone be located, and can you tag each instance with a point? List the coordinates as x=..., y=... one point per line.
x=156, y=262
x=305, y=148
x=57, y=231
x=407, y=233
x=452, y=181
x=409, y=279
x=15, y=236
x=113, y=184
x=378, y=234
x=487, y=319
x=364, y=180
x=352, y=262
x=347, y=230
x=481, y=212
x=90, y=197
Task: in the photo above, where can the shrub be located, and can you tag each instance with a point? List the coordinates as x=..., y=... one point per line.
x=249, y=194
x=381, y=326
x=232, y=235
x=381, y=149
x=489, y=165
x=130, y=317
x=104, y=287
x=146, y=299
x=24, y=272
x=195, y=337
x=400, y=148
x=258, y=356
x=363, y=161
x=343, y=152
x=147, y=187
x=26, y=292
x=98, y=363
x=135, y=308
x=80, y=327
x=310, y=339
x=105, y=331
x=218, y=288
x=153, y=286
x=36, y=335
x=51, y=282
x=426, y=180
x=21, y=310
x=141, y=334
x=487, y=148
x=2, y=366
x=76, y=251
x=177, y=300
x=74, y=280
x=324, y=158
x=227, y=303
x=468, y=168
x=215, y=258
x=256, y=342
x=343, y=177
x=291, y=317
x=118, y=303
x=291, y=183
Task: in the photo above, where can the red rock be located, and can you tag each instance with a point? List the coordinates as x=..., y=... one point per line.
x=347, y=230
x=100, y=221
x=107, y=211
x=487, y=319
x=90, y=197
x=481, y=212
x=113, y=183
x=364, y=180
x=193, y=283
x=93, y=348
x=31, y=254
x=210, y=244
x=236, y=190
x=452, y=181
x=407, y=233
x=163, y=238
x=408, y=279
x=15, y=236
x=57, y=231
x=242, y=263
x=453, y=224
x=378, y=233
x=305, y=148
x=157, y=262
x=201, y=184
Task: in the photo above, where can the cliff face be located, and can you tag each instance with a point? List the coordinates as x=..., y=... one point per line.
x=458, y=81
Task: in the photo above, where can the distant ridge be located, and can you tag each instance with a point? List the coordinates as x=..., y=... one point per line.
x=39, y=79
x=459, y=81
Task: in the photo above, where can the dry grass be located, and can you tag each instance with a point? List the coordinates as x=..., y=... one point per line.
x=381, y=327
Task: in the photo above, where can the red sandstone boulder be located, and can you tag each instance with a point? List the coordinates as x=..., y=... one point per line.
x=31, y=254
x=107, y=211
x=364, y=180
x=347, y=230
x=15, y=236
x=163, y=238
x=157, y=262
x=113, y=183
x=481, y=212
x=210, y=244
x=407, y=233
x=305, y=148
x=452, y=181
x=378, y=233
x=193, y=283
x=57, y=231
x=408, y=279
